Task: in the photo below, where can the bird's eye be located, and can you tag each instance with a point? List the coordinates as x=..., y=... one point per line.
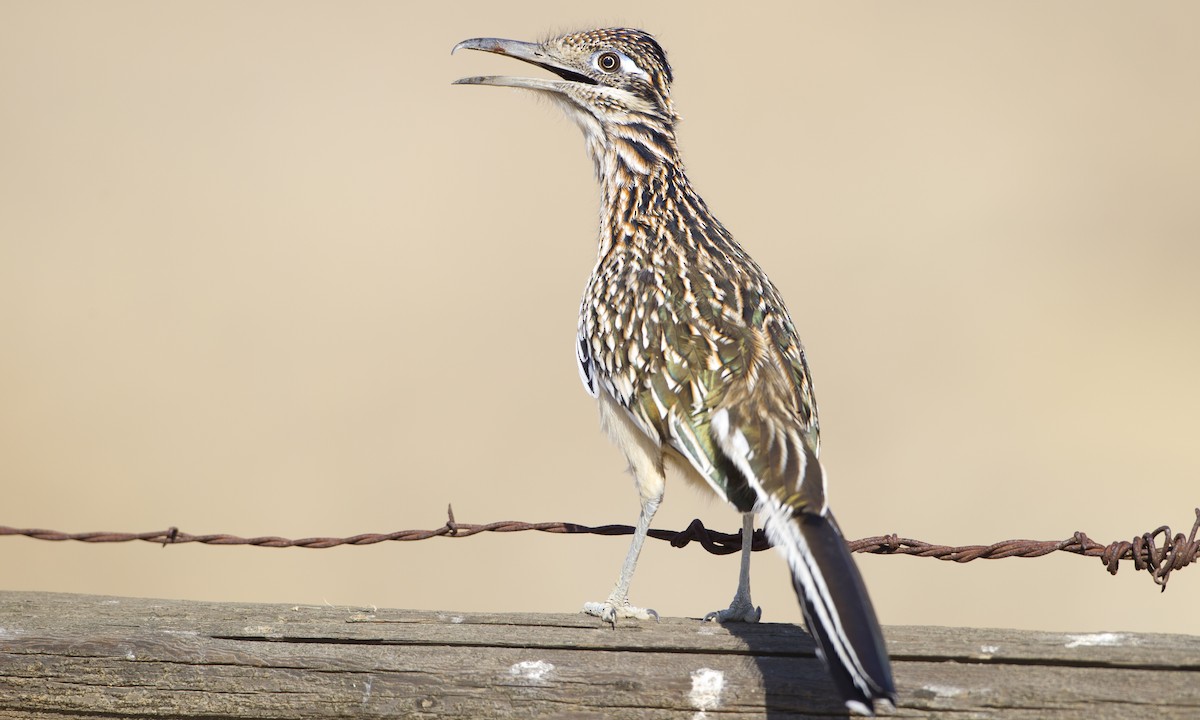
x=608, y=62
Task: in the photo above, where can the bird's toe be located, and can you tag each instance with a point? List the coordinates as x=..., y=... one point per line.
x=737, y=612
x=610, y=611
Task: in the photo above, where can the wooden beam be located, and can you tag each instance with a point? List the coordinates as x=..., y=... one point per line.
x=84, y=656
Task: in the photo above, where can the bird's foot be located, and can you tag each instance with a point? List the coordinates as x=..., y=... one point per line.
x=614, y=608
x=740, y=610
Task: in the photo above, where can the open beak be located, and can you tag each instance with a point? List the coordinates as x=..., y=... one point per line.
x=532, y=53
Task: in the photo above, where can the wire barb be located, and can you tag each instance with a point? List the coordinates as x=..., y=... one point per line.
x=1146, y=551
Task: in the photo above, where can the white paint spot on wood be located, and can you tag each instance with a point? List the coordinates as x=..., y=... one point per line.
x=1096, y=640
x=456, y=619
x=707, y=685
x=943, y=691
x=367, y=691
x=179, y=632
x=531, y=670
x=989, y=649
x=129, y=655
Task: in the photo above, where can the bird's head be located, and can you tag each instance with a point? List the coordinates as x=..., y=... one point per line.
x=615, y=83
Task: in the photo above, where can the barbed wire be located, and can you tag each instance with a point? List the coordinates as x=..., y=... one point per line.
x=1158, y=551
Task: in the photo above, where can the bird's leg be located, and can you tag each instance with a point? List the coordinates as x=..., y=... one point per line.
x=742, y=608
x=645, y=458
x=617, y=605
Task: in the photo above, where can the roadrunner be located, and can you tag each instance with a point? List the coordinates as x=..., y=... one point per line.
x=690, y=352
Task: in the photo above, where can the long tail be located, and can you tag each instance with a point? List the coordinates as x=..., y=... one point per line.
x=837, y=609
x=788, y=480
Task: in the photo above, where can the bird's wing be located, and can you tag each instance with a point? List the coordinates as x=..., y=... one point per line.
x=757, y=415
x=587, y=368
x=702, y=345
x=766, y=420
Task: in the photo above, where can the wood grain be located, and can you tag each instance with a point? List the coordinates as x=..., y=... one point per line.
x=86, y=656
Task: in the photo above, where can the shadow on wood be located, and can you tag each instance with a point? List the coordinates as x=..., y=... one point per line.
x=89, y=657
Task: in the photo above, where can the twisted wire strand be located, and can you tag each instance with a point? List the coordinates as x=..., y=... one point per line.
x=1158, y=552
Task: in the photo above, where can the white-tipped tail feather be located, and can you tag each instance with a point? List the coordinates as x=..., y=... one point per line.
x=833, y=598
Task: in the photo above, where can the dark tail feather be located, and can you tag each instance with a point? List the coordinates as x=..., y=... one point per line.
x=837, y=610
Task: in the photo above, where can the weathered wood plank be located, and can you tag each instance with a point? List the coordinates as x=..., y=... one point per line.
x=87, y=656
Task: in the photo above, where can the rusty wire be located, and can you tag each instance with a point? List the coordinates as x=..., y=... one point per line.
x=1158, y=551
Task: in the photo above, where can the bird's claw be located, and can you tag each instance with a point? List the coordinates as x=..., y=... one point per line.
x=609, y=610
x=736, y=612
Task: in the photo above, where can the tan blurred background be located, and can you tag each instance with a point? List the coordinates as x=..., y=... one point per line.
x=263, y=270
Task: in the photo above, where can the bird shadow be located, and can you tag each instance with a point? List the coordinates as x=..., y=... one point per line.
x=795, y=681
